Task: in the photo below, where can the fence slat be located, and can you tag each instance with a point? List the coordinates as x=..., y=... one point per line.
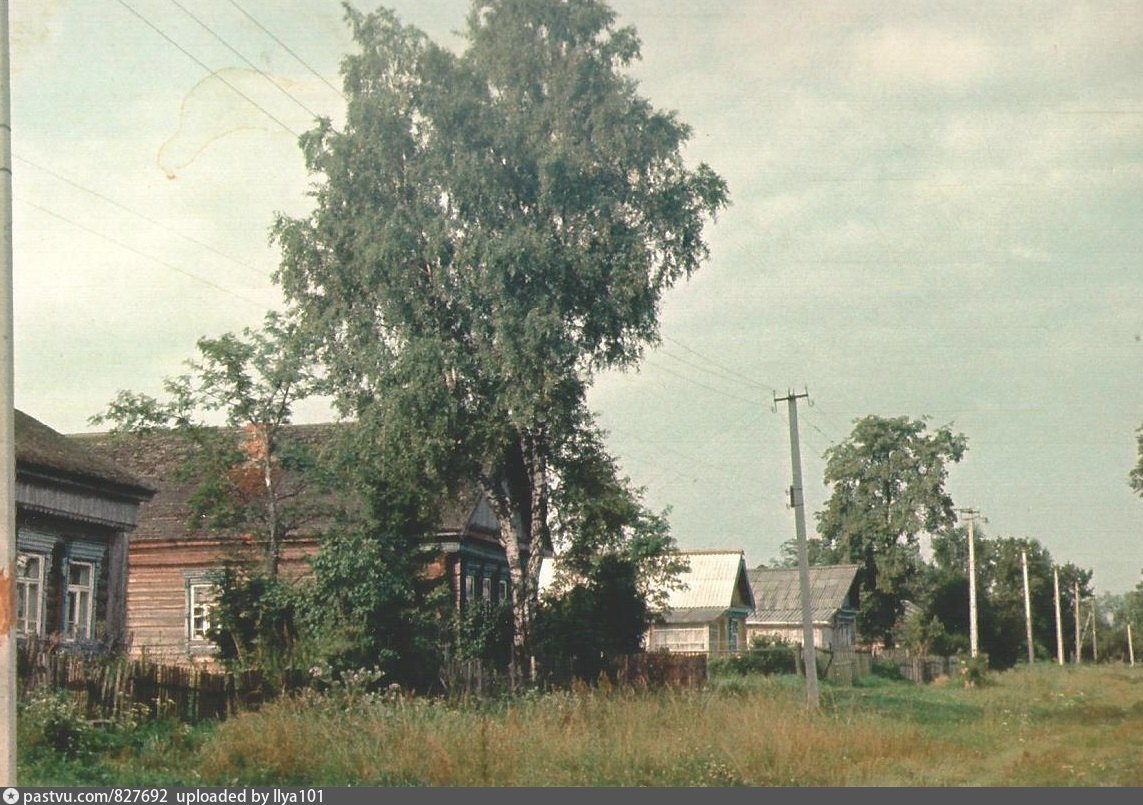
x=106, y=687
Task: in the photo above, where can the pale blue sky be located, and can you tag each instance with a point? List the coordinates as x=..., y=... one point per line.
x=936, y=211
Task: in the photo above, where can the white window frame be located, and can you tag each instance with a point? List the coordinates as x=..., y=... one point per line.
x=201, y=597
x=30, y=588
x=80, y=602
x=469, y=587
x=486, y=589
x=503, y=591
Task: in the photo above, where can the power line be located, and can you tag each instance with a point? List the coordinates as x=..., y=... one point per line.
x=725, y=369
x=699, y=383
x=133, y=250
x=204, y=66
x=247, y=61
x=287, y=48
x=141, y=216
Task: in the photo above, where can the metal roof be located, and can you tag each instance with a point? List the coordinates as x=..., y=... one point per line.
x=778, y=599
x=710, y=581
x=704, y=591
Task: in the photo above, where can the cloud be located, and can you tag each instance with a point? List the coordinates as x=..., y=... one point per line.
x=917, y=56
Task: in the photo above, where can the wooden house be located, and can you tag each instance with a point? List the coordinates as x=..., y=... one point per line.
x=175, y=558
x=778, y=605
x=74, y=511
x=708, y=611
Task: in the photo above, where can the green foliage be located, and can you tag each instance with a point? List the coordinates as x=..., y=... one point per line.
x=369, y=607
x=943, y=594
x=491, y=228
x=887, y=669
x=484, y=632
x=887, y=484
x=1135, y=477
x=58, y=745
x=255, y=483
x=973, y=671
x=581, y=631
x=254, y=619
x=767, y=655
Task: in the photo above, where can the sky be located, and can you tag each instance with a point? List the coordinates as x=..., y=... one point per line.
x=935, y=212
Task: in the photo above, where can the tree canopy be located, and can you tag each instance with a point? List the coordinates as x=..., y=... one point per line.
x=491, y=228
x=888, y=488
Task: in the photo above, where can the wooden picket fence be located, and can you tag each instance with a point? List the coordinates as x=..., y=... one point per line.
x=110, y=687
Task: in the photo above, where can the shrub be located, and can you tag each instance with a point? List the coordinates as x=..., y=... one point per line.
x=973, y=671
x=767, y=655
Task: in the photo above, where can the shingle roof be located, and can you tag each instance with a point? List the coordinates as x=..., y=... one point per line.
x=710, y=582
x=158, y=458
x=778, y=599
x=40, y=447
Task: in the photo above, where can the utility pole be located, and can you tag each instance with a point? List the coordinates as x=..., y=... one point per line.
x=1079, y=645
x=809, y=653
x=1027, y=606
x=973, y=634
x=7, y=428
x=1130, y=646
x=1094, y=649
x=1059, y=622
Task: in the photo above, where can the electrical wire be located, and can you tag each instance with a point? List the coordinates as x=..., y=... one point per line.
x=206, y=67
x=245, y=60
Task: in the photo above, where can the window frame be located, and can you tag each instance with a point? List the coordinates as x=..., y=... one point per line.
x=194, y=634
x=79, y=597
x=26, y=583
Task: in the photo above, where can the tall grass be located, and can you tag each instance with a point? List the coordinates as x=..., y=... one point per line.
x=1045, y=726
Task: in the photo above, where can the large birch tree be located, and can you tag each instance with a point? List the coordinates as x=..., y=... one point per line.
x=493, y=227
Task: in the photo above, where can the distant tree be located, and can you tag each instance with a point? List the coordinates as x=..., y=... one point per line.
x=1135, y=478
x=816, y=551
x=231, y=411
x=1000, y=585
x=492, y=227
x=887, y=484
x=1000, y=595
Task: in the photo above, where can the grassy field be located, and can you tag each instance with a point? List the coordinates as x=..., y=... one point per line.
x=1047, y=726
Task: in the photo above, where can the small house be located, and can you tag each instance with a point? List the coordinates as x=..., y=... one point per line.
x=778, y=605
x=74, y=512
x=175, y=557
x=707, y=611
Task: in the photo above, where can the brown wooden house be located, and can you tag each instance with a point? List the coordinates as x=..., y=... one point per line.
x=175, y=557
x=74, y=511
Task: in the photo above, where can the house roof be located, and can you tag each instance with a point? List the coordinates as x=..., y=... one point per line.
x=710, y=583
x=159, y=457
x=40, y=448
x=778, y=598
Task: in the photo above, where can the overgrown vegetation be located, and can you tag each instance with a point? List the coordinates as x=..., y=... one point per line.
x=1045, y=726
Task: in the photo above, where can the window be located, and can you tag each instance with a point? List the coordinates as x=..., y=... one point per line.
x=503, y=590
x=80, y=597
x=486, y=589
x=469, y=587
x=29, y=593
x=732, y=636
x=200, y=603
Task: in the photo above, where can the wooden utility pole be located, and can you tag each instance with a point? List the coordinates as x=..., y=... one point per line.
x=809, y=652
x=1094, y=648
x=1059, y=621
x=973, y=634
x=1130, y=646
x=1027, y=606
x=7, y=429
x=1079, y=634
